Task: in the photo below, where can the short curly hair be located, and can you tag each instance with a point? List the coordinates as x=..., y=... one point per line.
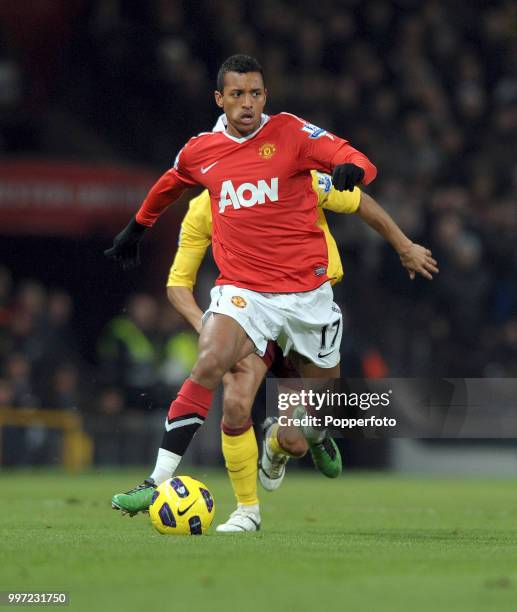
x=237, y=63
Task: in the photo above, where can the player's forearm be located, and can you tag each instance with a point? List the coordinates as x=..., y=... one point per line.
x=379, y=220
x=164, y=192
x=183, y=301
x=349, y=155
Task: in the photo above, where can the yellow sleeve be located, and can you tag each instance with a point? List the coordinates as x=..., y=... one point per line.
x=332, y=199
x=195, y=238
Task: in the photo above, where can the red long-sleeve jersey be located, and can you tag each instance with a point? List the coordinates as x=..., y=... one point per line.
x=264, y=209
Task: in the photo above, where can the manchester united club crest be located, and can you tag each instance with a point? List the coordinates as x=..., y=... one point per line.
x=267, y=150
x=239, y=301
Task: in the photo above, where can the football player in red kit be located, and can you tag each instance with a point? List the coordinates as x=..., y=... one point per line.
x=271, y=255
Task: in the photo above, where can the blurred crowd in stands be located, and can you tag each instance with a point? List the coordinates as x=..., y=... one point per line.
x=142, y=354
x=428, y=89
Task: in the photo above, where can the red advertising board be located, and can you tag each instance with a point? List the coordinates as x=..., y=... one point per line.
x=69, y=198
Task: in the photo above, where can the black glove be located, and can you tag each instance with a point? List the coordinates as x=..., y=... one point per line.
x=346, y=177
x=126, y=245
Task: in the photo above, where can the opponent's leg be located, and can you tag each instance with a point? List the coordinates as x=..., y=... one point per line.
x=279, y=444
x=291, y=441
x=221, y=343
x=239, y=443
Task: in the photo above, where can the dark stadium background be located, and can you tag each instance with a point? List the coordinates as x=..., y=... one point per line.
x=102, y=94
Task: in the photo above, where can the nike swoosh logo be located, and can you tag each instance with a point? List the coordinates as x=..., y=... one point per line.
x=326, y=354
x=182, y=512
x=205, y=170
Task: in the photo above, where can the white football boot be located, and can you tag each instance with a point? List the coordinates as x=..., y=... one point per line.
x=271, y=465
x=245, y=518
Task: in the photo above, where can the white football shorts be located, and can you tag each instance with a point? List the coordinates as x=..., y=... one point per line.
x=309, y=323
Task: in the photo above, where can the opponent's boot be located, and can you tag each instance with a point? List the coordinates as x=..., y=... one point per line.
x=242, y=520
x=271, y=465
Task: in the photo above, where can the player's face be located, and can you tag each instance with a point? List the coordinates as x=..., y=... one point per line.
x=243, y=99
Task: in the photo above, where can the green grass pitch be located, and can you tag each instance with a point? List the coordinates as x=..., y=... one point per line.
x=362, y=542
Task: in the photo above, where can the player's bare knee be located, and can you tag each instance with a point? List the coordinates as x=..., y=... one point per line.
x=209, y=368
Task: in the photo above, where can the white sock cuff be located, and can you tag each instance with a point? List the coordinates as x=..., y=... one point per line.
x=255, y=508
x=166, y=464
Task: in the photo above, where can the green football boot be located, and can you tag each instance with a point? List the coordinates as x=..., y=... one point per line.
x=136, y=500
x=326, y=456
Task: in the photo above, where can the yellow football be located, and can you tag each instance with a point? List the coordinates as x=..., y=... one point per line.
x=182, y=506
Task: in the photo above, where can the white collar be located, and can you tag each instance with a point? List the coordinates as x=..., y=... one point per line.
x=222, y=124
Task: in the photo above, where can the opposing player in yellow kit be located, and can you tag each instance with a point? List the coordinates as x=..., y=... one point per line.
x=241, y=384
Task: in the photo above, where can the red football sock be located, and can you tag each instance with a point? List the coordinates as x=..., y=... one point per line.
x=192, y=398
